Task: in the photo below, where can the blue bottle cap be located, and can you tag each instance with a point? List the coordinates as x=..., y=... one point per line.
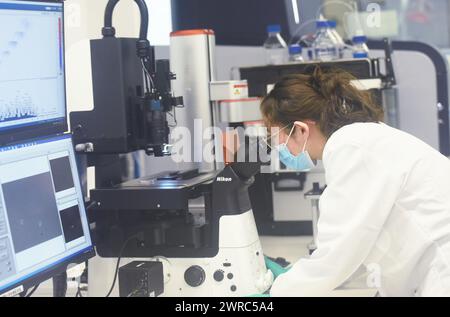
x=360, y=55
x=321, y=24
x=274, y=28
x=295, y=49
x=360, y=39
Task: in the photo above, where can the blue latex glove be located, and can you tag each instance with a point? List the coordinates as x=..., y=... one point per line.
x=276, y=269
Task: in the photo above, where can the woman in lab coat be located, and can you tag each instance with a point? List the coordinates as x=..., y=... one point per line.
x=385, y=214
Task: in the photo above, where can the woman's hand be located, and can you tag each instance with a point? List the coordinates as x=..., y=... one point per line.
x=276, y=268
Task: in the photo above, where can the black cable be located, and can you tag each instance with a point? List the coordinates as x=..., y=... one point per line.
x=146, y=81
x=32, y=291
x=108, y=29
x=91, y=204
x=146, y=76
x=109, y=12
x=148, y=72
x=118, y=262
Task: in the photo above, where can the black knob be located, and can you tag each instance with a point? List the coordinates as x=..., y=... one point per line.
x=194, y=276
x=316, y=187
x=218, y=275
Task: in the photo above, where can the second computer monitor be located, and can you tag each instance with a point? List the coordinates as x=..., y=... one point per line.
x=43, y=222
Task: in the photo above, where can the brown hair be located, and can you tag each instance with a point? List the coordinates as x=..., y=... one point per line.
x=326, y=97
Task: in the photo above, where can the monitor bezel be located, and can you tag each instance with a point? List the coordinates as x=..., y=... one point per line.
x=50, y=272
x=17, y=134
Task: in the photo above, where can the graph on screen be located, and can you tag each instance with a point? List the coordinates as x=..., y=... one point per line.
x=22, y=107
x=32, y=86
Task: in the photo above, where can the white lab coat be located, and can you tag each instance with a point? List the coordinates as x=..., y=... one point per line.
x=385, y=212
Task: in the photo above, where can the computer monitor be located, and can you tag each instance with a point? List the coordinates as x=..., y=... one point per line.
x=32, y=71
x=244, y=23
x=43, y=222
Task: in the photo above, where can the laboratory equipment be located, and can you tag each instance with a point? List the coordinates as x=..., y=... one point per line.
x=198, y=223
x=275, y=47
x=423, y=113
x=340, y=44
x=32, y=76
x=141, y=279
x=314, y=197
x=132, y=95
x=42, y=234
x=295, y=53
x=231, y=103
x=193, y=59
x=324, y=46
x=360, y=49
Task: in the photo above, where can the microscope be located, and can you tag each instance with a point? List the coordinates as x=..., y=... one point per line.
x=199, y=225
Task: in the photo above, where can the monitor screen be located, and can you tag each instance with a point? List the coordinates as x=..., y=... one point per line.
x=43, y=222
x=244, y=23
x=32, y=76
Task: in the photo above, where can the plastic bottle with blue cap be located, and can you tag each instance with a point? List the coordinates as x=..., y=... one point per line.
x=296, y=53
x=339, y=42
x=324, y=45
x=275, y=47
x=360, y=48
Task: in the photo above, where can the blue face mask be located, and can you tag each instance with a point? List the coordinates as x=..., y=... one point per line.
x=302, y=162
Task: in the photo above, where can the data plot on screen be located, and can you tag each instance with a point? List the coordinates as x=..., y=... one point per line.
x=20, y=45
x=21, y=107
x=32, y=88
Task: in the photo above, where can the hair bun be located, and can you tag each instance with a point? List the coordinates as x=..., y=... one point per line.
x=316, y=79
x=330, y=83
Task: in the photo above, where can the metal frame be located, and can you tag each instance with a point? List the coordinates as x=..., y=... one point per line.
x=440, y=65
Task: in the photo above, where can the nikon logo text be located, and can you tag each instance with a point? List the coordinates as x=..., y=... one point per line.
x=224, y=179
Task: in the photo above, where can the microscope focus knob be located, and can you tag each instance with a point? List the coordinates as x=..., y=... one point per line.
x=219, y=275
x=194, y=276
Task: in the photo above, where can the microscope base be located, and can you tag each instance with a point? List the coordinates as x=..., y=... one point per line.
x=238, y=269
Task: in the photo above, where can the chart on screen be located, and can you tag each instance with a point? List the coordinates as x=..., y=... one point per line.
x=24, y=90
